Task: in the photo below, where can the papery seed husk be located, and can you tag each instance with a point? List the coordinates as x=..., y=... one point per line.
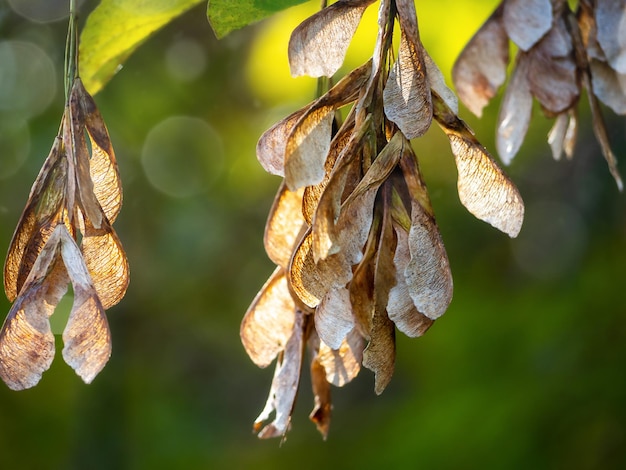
x=282, y=396
x=406, y=96
x=78, y=155
x=268, y=322
x=333, y=317
x=437, y=83
x=427, y=275
x=270, y=149
x=283, y=225
x=552, y=70
x=311, y=281
x=611, y=27
x=609, y=86
x=41, y=214
x=380, y=354
x=313, y=194
x=26, y=340
x=361, y=286
x=107, y=185
x=106, y=261
x=480, y=69
x=527, y=21
x=86, y=338
x=483, y=188
x=317, y=47
x=322, y=409
x=400, y=307
x=343, y=364
x=308, y=143
x=515, y=112
x=556, y=136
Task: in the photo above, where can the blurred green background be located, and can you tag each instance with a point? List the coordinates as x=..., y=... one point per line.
x=525, y=370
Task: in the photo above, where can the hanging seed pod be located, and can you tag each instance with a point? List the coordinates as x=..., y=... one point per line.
x=65, y=235
x=352, y=230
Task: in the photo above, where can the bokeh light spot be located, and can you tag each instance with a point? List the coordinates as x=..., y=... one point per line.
x=15, y=145
x=182, y=156
x=185, y=60
x=27, y=78
x=42, y=11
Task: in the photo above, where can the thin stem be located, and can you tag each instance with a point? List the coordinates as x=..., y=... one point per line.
x=71, y=51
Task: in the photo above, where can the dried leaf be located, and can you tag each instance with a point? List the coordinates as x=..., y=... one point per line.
x=41, y=214
x=283, y=225
x=483, y=187
x=322, y=408
x=317, y=47
x=400, y=307
x=106, y=261
x=308, y=144
x=427, y=274
x=481, y=67
x=333, y=317
x=611, y=23
x=515, y=111
x=526, y=21
x=284, y=388
x=115, y=29
x=26, y=341
x=270, y=149
x=406, y=96
x=268, y=324
x=344, y=363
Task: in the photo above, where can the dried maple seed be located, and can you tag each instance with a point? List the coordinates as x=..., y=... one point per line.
x=64, y=236
x=561, y=52
x=352, y=230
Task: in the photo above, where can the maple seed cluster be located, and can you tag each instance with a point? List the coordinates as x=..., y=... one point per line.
x=560, y=52
x=352, y=230
x=65, y=236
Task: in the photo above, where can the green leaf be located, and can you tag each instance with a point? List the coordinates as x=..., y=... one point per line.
x=228, y=15
x=115, y=29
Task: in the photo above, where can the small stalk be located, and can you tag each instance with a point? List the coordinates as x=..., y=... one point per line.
x=71, y=51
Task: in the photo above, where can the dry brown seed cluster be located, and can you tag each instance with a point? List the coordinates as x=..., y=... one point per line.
x=65, y=235
x=560, y=53
x=352, y=230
